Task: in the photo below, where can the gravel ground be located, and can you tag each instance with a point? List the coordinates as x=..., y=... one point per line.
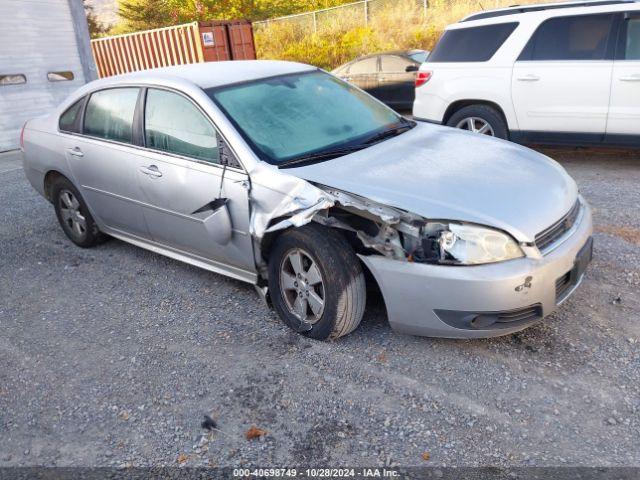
x=111, y=356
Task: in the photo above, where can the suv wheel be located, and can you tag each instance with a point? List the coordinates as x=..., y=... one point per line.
x=480, y=119
x=317, y=284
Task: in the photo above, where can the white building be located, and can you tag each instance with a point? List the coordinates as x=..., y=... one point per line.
x=44, y=56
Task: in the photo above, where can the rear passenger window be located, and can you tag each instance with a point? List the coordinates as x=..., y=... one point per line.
x=174, y=124
x=475, y=44
x=70, y=119
x=109, y=114
x=393, y=63
x=632, y=41
x=582, y=37
x=365, y=66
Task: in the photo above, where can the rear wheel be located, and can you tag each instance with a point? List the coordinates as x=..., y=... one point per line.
x=480, y=119
x=317, y=284
x=73, y=214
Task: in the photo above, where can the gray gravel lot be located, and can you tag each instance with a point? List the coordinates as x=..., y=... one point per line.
x=111, y=356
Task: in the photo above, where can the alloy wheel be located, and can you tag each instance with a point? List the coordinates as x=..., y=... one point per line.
x=71, y=214
x=476, y=125
x=302, y=286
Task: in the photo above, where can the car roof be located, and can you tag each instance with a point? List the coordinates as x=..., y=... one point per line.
x=404, y=53
x=597, y=6
x=212, y=74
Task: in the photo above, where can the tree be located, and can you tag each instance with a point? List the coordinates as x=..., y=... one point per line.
x=146, y=14
x=96, y=28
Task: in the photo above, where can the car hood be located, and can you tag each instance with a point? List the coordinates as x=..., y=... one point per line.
x=445, y=173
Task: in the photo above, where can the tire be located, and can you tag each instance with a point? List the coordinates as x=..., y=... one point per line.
x=342, y=286
x=73, y=214
x=477, y=114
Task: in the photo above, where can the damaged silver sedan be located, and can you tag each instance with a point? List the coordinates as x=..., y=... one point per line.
x=282, y=175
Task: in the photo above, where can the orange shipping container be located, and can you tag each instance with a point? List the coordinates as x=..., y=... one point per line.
x=178, y=45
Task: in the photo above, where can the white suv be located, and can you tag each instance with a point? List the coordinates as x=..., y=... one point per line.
x=564, y=73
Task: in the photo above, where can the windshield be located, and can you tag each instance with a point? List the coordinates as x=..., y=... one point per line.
x=302, y=115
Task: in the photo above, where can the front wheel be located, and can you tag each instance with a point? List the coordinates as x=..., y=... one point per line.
x=317, y=284
x=480, y=119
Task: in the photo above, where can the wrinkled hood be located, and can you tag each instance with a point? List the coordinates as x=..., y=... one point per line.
x=444, y=173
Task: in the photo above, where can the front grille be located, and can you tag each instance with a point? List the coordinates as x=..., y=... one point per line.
x=549, y=236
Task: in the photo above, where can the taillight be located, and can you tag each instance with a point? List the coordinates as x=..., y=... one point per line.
x=22, y=136
x=423, y=77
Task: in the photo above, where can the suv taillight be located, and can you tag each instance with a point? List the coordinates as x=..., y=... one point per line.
x=22, y=136
x=423, y=77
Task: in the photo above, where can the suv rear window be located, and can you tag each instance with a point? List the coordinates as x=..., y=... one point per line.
x=475, y=44
x=581, y=37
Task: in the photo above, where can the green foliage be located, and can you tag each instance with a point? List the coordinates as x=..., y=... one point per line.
x=95, y=27
x=340, y=36
x=145, y=14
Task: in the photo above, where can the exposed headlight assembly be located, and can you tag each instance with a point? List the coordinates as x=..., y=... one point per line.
x=452, y=243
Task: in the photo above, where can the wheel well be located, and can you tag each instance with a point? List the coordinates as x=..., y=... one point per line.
x=270, y=238
x=49, y=179
x=455, y=106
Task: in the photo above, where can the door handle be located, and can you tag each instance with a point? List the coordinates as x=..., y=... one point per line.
x=151, y=171
x=75, y=151
x=631, y=78
x=529, y=78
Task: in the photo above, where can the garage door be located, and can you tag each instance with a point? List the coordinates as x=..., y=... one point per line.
x=39, y=62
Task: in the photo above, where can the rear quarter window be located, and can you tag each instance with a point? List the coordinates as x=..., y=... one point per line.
x=474, y=44
x=70, y=119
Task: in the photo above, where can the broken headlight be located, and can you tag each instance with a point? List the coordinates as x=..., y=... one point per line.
x=463, y=244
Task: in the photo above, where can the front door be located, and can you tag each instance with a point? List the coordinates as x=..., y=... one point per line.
x=624, y=111
x=185, y=186
x=103, y=160
x=364, y=74
x=562, y=79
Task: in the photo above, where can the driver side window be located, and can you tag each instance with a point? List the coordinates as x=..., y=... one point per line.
x=173, y=124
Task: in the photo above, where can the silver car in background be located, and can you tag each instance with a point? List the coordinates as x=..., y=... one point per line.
x=281, y=175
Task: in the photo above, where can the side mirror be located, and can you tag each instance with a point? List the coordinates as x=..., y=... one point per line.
x=412, y=68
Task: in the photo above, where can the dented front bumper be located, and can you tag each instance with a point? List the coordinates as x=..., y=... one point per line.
x=462, y=301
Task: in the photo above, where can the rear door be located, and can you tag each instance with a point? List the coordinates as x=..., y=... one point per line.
x=562, y=79
x=185, y=185
x=364, y=74
x=103, y=159
x=396, y=84
x=623, y=124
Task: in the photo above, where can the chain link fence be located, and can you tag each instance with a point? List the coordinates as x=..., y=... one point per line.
x=349, y=15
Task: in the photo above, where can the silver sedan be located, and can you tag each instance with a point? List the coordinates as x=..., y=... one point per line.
x=281, y=175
